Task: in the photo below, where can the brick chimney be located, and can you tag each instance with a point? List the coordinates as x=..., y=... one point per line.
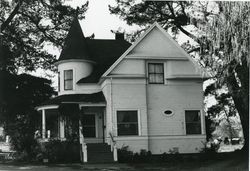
x=119, y=36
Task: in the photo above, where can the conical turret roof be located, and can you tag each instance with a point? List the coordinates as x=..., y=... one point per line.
x=75, y=46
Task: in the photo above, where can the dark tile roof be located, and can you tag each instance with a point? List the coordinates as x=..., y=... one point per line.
x=75, y=46
x=76, y=98
x=104, y=53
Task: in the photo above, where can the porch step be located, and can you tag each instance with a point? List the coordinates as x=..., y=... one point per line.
x=99, y=153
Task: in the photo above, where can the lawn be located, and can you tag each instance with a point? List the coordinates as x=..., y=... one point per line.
x=227, y=161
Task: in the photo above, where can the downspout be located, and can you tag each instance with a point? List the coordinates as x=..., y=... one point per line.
x=111, y=106
x=146, y=89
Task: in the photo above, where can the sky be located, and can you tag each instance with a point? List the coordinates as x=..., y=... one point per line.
x=98, y=19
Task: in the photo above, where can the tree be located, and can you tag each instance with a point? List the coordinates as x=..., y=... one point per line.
x=228, y=52
x=28, y=27
x=19, y=95
x=224, y=49
x=223, y=112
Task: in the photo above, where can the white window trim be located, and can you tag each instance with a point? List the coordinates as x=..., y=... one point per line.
x=73, y=78
x=138, y=117
x=201, y=118
x=164, y=71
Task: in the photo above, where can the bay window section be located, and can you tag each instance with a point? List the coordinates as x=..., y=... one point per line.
x=193, y=122
x=156, y=73
x=68, y=80
x=127, y=122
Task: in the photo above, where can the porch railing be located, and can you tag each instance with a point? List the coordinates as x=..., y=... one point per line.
x=113, y=147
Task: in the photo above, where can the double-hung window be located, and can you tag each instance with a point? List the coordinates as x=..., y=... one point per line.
x=193, y=122
x=156, y=73
x=127, y=122
x=68, y=79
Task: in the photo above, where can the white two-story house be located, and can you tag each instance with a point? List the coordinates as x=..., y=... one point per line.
x=147, y=95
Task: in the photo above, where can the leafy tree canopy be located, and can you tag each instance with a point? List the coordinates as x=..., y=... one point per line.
x=27, y=27
x=19, y=95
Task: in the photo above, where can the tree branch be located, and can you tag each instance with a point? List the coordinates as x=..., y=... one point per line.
x=179, y=26
x=11, y=16
x=194, y=50
x=38, y=27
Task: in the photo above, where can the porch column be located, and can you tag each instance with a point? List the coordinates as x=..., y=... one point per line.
x=61, y=126
x=84, y=154
x=203, y=129
x=43, y=124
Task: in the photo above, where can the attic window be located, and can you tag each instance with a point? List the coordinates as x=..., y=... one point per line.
x=155, y=73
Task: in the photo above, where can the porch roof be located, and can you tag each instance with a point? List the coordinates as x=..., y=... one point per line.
x=76, y=98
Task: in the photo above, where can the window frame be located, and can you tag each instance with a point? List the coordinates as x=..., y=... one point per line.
x=201, y=124
x=163, y=73
x=138, y=121
x=66, y=80
x=59, y=81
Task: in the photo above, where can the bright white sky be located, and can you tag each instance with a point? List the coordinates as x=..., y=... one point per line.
x=98, y=19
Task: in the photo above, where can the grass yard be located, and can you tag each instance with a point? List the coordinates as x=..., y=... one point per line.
x=226, y=161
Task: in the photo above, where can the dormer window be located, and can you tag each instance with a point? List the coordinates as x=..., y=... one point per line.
x=68, y=79
x=155, y=73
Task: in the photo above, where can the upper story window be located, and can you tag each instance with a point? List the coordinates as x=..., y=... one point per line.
x=156, y=73
x=68, y=79
x=127, y=122
x=59, y=81
x=193, y=121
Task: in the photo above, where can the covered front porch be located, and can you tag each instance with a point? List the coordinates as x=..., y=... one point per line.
x=79, y=118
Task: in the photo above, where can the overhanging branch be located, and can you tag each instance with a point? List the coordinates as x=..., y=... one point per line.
x=11, y=16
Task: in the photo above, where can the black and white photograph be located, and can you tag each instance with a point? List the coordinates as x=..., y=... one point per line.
x=124, y=85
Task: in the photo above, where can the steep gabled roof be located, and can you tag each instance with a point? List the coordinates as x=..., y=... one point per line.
x=155, y=25
x=104, y=53
x=75, y=46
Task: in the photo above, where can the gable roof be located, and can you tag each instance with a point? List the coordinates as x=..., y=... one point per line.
x=104, y=53
x=75, y=45
x=155, y=25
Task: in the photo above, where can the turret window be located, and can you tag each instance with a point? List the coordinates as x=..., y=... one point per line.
x=68, y=80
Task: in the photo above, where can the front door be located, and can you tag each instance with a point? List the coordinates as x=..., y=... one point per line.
x=89, y=126
x=92, y=124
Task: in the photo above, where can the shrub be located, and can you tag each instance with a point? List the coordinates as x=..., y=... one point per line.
x=124, y=155
x=57, y=151
x=127, y=156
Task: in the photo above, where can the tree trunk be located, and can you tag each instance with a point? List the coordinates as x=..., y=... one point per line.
x=240, y=95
